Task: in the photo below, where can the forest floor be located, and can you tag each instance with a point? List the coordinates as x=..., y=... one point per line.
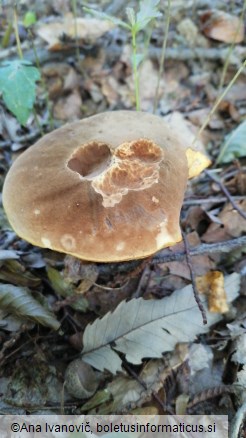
x=88, y=74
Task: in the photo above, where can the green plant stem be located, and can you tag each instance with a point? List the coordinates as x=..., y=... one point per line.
x=161, y=69
x=19, y=49
x=228, y=56
x=147, y=38
x=6, y=36
x=38, y=122
x=135, y=69
x=43, y=84
x=217, y=102
x=74, y=8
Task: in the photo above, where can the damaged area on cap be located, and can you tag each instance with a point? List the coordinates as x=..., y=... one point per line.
x=131, y=166
x=90, y=160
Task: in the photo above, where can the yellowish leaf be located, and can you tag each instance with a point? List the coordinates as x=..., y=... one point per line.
x=212, y=284
x=197, y=162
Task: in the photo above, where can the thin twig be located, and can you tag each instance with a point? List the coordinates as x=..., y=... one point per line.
x=231, y=48
x=179, y=53
x=211, y=200
x=163, y=51
x=193, y=280
x=138, y=290
x=225, y=191
x=143, y=384
x=74, y=9
x=204, y=248
x=17, y=37
x=218, y=101
x=207, y=394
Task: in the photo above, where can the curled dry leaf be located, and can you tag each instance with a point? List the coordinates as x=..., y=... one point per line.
x=221, y=26
x=19, y=302
x=196, y=154
x=68, y=108
x=232, y=224
x=81, y=28
x=125, y=393
x=7, y=254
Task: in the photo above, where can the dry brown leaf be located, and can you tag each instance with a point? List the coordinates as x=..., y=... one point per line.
x=87, y=28
x=221, y=26
x=71, y=80
x=198, y=116
x=60, y=78
x=148, y=78
x=195, y=217
x=232, y=224
x=212, y=284
x=232, y=220
x=127, y=393
x=197, y=156
x=68, y=108
x=110, y=88
x=190, y=32
x=237, y=92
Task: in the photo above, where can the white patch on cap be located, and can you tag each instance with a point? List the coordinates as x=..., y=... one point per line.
x=120, y=246
x=46, y=242
x=36, y=211
x=155, y=200
x=68, y=242
x=163, y=237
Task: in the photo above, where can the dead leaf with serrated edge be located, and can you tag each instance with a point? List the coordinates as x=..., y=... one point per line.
x=147, y=328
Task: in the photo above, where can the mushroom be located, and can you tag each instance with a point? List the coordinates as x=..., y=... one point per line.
x=108, y=188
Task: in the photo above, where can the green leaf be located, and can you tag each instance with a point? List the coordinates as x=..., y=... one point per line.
x=29, y=19
x=235, y=145
x=138, y=58
x=131, y=16
x=147, y=12
x=60, y=286
x=104, y=16
x=19, y=301
x=17, y=84
x=66, y=290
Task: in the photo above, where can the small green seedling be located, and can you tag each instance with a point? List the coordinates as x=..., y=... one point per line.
x=137, y=21
x=29, y=19
x=18, y=79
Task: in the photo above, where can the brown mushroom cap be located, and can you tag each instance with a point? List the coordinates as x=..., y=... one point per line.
x=107, y=188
